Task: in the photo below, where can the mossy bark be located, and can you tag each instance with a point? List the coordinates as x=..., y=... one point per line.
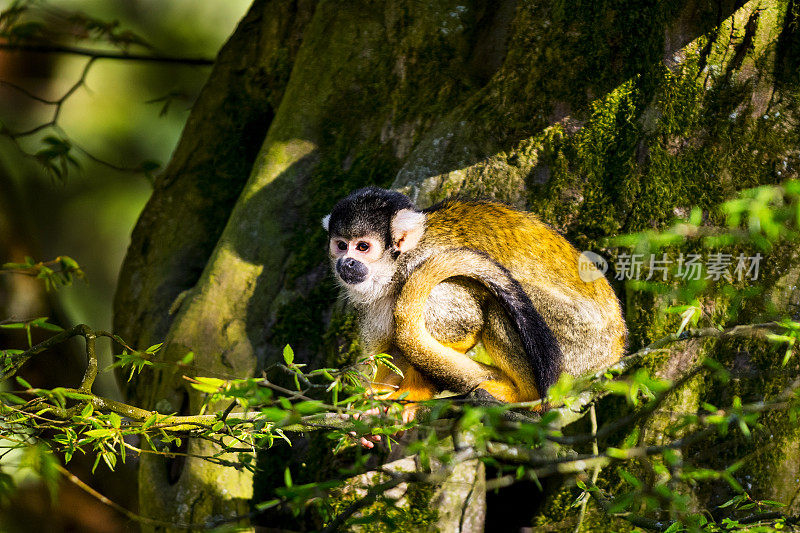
x=604, y=117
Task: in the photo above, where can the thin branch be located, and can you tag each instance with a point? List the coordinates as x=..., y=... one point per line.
x=581, y=463
x=59, y=103
x=774, y=515
x=595, y=472
x=53, y=123
x=574, y=411
x=292, y=395
x=27, y=93
x=120, y=509
x=91, y=366
x=625, y=421
x=636, y=520
x=103, y=54
x=80, y=329
x=377, y=491
x=101, y=161
x=754, y=331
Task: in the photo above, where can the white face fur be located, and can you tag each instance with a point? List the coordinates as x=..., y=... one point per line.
x=377, y=261
x=364, y=266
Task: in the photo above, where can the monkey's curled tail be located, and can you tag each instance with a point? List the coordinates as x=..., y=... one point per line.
x=542, y=351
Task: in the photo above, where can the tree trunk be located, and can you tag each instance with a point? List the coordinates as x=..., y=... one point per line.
x=603, y=117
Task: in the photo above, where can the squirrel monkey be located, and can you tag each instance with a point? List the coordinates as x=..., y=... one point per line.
x=429, y=285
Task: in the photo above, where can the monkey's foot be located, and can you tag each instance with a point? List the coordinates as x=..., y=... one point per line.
x=502, y=391
x=482, y=398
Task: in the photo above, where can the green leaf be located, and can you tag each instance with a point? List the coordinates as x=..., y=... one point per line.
x=309, y=407
x=630, y=478
x=287, y=477
x=735, y=500
x=110, y=459
x=47, y=469
x=616, y=453
x=288, y=354
x=772, y=503
x=269, y=504
x=150, y=421
x=282, y=435
x=7, y=397
x=274, y=414
x=386, y=360
x=23, y=382
x=209, y=385
x=99, y=433
x=561, y=388
x=69, y=263
x=44, y=324
x=115, y=420
x=96, y=462
x=621, y=503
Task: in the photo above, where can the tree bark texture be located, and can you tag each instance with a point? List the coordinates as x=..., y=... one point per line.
x=604, y=117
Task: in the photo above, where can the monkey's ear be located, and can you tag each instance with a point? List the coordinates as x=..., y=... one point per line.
x=325, y=221
x=408, y=227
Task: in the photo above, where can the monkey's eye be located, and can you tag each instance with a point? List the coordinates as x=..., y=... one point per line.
x=362, y=246
x=341, y=245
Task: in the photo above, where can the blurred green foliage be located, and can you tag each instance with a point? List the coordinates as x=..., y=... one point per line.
x=92, y=170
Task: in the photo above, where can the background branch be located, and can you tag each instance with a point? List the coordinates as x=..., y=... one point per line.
x=103, y=54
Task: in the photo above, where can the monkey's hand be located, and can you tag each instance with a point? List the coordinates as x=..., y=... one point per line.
x=382, y=386
x=367, y=441
x=407, y=414
x=413, y=387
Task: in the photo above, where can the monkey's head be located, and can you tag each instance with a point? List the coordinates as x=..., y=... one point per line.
x=368, y=230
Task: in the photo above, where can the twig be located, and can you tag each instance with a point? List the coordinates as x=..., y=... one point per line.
x=376, y=491
x=581, y=463
x=99, y=160
x=636, y=520
x=774, y=515
x=59, y=103
x=625, y=421
x=595, y=472
x=80, y=329
x=26, y=92
x=91, y=366
x=103, y=54
x=568, y=415
x=757, y=331
x=120, y=509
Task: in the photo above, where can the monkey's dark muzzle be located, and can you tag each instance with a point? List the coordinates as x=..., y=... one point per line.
x=351, y=270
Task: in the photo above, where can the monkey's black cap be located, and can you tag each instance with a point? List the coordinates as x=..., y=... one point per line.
x=365, y=211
